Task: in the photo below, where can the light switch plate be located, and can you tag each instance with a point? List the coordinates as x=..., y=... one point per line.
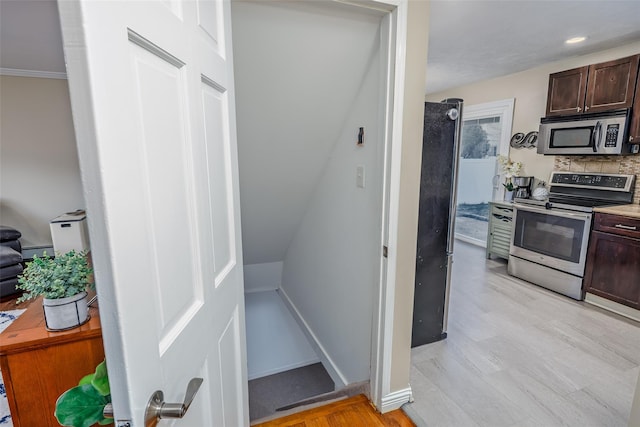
x=360, y=176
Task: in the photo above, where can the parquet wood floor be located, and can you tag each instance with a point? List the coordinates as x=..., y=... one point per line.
x=356, y=411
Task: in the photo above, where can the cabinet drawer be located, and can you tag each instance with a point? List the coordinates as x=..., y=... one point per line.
x=500, y=220
x=502, y=211
x=617, y=224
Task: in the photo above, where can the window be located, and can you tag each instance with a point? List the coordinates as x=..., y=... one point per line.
x=486, y=130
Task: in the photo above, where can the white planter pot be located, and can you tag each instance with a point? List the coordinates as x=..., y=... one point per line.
x=508, y=196
x=65, y=313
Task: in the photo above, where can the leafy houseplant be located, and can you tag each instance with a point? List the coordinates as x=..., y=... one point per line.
x=63, y=276
x=509, y=168
x=83, y=405
x=62, y=281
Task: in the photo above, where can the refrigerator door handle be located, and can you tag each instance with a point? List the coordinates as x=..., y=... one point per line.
x=454, y=181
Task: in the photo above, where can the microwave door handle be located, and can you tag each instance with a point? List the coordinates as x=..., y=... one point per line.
x=596, y=137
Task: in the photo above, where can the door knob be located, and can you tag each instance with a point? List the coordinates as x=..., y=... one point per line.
x=158, y=409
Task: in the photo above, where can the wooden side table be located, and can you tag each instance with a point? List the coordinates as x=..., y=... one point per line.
x=38, y=365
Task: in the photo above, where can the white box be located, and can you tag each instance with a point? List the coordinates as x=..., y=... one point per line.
x=69, y=232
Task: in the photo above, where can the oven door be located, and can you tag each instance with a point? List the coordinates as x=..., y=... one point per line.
x=555, y=238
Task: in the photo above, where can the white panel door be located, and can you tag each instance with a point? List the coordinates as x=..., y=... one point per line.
x=152, y=94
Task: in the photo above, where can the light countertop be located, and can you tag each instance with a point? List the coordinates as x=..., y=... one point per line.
x=626, y=210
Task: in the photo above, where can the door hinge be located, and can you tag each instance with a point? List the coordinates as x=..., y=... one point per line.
x=385, y=251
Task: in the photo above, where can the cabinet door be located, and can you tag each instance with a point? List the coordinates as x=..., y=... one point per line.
x=611, y=84
x=613, y=268
x=634, y=128
x=567, y=91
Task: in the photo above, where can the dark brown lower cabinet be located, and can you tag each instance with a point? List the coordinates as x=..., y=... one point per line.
x=613, y=260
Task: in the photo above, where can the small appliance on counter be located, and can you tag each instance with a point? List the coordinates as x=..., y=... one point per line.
x=523, y=186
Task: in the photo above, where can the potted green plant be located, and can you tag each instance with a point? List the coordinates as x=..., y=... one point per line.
x=510, y=190
x=83, y=405
x=63, y=282
x=509, y=168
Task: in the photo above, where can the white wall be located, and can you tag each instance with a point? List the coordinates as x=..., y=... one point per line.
x=529, y=88
x=262, y=277
x=39, y=172
x=331, y=266
x=298, y=67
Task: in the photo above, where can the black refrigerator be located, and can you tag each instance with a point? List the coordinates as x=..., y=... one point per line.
x=438, y=186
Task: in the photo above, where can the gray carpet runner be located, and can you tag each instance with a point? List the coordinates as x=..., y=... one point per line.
x=268, y=394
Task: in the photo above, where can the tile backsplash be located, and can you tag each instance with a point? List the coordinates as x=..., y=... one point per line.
x=602, y=164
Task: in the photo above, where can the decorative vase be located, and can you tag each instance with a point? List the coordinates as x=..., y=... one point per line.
x=541, y=192
x=508, y=196
x=65, y=313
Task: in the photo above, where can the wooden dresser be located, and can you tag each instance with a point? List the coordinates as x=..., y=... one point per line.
x=38, y=365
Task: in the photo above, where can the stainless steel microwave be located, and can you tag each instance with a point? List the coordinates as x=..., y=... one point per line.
x=586, y=134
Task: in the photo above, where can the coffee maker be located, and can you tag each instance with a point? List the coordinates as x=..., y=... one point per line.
x=523, y=186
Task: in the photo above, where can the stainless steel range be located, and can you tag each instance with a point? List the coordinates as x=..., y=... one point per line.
x=550, y=237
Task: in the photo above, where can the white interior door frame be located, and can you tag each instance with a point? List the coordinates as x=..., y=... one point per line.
x=393, y=42
x=393, y=33
x=394, y=39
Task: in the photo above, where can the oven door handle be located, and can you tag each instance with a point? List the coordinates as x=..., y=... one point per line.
x=555, y=212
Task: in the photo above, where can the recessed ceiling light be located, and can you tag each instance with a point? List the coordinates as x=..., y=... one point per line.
x=574, y=40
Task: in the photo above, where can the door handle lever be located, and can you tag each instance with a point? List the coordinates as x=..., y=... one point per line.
x=158, y=409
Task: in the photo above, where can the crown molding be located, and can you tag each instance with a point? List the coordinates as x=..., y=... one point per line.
x=32, y=73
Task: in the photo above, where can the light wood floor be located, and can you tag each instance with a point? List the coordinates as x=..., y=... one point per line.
x=519, y=355
x=353, y=412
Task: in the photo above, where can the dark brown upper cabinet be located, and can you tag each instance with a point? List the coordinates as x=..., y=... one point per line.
x=594, y=88
x=634, y=127
x=611, y=85
x=566, y=92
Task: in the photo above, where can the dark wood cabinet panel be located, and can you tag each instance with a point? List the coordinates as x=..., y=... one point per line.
x=595, y=88
x=611, y=85
x=567, y=92
x=613, y=261
x=617, y=224
x=634, y=127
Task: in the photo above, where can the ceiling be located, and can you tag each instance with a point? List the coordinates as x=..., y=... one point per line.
x=474, y=40
x=469, y=40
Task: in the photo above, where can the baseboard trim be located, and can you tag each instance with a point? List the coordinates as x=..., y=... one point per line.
x=622, y=310
x=29, y=251
x=335, y=374
x=395, y=400
x=13, y=72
